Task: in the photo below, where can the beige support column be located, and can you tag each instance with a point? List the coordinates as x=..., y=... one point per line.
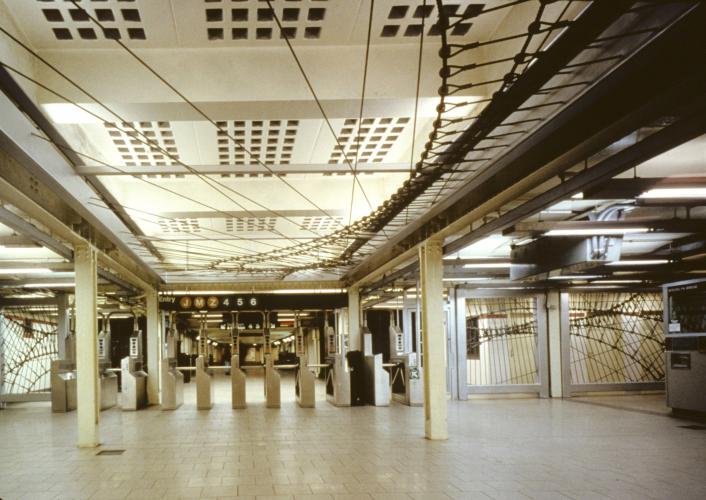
x=87, y=388
x=355, y=342
x=556, y=386
x=433, y=339
x=154, y=346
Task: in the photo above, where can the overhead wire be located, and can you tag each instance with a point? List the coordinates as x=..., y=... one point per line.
x=360, y=112
x=316, y=98
x=150, y=143
x=159, y=186
x=146, y=140
x=416, y=99
x=204, y=115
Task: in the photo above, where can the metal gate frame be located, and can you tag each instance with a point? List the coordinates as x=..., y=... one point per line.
x=569, y=388
x=464, y=389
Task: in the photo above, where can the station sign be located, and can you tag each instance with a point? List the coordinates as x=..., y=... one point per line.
x=134, y=346
x=252, y=302
x=300, y=342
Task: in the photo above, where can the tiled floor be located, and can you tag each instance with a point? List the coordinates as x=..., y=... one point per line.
x=592, y=448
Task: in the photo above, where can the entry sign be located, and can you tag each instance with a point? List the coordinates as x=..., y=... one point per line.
x=300, y=342
x=134, y=352
x=331, y=337
x=399, y=341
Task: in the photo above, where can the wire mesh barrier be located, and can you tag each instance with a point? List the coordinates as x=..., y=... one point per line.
x=27, y=347
x=501, y=341
x=616, y=338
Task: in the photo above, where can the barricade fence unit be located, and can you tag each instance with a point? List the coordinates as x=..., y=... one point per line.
x=616, y=341
x=28, y=344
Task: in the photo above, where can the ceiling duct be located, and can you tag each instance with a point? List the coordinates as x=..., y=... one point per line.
x=547, y=256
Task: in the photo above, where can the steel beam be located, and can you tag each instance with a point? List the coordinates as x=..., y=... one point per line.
x=21, y=117
x=254, y=169
x=592, y=22
x=655, y=81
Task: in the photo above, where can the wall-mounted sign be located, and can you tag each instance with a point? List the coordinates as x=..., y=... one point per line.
x=300, y=342
x=331, y=341
x=253, y=302
x=134, y=347
x=101, y=347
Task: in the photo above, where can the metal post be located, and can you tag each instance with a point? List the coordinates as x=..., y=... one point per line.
x=2, y=358
x=154, y=347
x=461, y=348
x=355, y=342
x=553, y=314
x=87, y=390
x=433, y=339
x=62, y=324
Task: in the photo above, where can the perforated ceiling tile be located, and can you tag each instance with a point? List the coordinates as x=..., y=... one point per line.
x=253, y=19
x=120, y=19
x=318, y=223
x=144, y=143
x=404, y=19
x=250, y=224
x=180, y=225
x=269, y=141
x=377, y=136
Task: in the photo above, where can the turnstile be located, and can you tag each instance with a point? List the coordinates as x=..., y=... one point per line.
x=272, y=383
x=108, y=379
x=237, y=381
x=237, y=376
x=407, y=384
x=338, y=381
x=172, y=379
x=377, y=379
x=204, y=384
x=63, y=379
x=305, y=384
x=133, y=378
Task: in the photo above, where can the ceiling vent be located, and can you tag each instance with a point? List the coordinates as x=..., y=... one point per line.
x=253, y=20
x=268, y=141
x=371, y=141
x=121, y=20
x=405, y=19
x=144, y=144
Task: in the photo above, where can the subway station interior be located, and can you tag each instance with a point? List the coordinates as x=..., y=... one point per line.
x=352, y=249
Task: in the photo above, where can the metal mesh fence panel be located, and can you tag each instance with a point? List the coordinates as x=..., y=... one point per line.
x=501, y=340
x=616, y=338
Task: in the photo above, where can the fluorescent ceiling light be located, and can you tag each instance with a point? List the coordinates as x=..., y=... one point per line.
x=619, y=282
x=488, y=265
x=690, y=192
x=49, y=285
x=467, y=279
x=310, y=290
x=596, y=231
x=30, y=270
x=557, y=212
x=644, y=262
x=202, y=292
x=577, y=196
x=575, y=277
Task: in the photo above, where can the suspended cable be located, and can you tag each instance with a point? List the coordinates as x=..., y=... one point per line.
x=316, y=98
x=204, y=115
x=360, y=112
x=416, y=99
x=143, y=139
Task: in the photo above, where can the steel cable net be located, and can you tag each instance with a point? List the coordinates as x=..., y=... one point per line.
x=437, y=174
x=616, y=337
x=28, y=344
x=470, y=71
x=501, y=340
